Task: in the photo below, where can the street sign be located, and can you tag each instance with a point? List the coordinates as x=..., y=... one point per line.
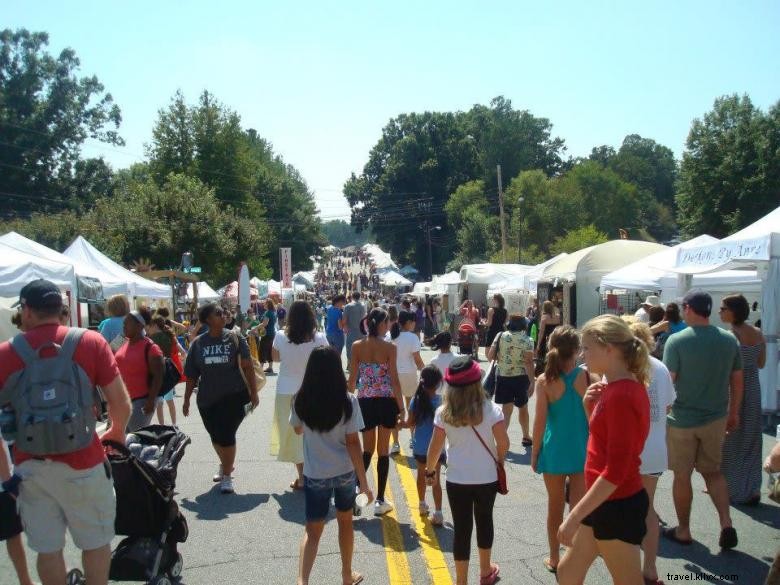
x=193, y=269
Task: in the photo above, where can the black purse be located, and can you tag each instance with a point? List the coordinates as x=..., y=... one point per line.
x=489, y=383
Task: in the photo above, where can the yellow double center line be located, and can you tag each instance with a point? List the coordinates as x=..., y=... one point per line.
x=397, y=562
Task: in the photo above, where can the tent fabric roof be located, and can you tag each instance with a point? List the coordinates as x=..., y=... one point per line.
x=111, y=286
x=758, y=242
x=601, y=258
x=17, y=268
x=491, y=273
x=382, y=259
x=84, y=252
x=449, y=278
x=205, y=292
x=392, y=278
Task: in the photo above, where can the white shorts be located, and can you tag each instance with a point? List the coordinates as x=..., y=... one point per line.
x=409, y=384
x=54, y=497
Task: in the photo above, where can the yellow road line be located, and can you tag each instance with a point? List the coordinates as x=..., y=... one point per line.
x=429, y=542
x=395, y=551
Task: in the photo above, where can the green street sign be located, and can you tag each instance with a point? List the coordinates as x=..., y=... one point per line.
x=195, y=269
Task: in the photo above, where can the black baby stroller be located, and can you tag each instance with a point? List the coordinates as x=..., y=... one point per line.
x=144, y=480
x=468, y=338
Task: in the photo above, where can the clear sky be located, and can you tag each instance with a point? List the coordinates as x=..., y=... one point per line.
x=321, y=79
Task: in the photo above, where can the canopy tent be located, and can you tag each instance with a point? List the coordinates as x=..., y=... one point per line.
x=586, y=267
x=305, y=278
x=409, y=270
x=756, y=246
x=381, y=259
x=491, y=273
x=17, y=268
x=392, y=278
x=531, y=278
x=424, y=288
x=138, y=286
x=111, y=285
x=205, y=292
x=447, y=279
x=230, y=291
x=653, y=273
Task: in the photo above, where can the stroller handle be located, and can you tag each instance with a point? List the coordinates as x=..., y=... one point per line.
x=116, y=446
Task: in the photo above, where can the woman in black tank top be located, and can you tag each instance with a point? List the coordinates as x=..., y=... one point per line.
x=496, y=319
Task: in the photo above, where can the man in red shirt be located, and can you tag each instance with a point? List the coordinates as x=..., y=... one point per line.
x=74, y=490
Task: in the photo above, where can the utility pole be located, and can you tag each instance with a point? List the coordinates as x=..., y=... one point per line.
x=501, y=212
x=430, y=250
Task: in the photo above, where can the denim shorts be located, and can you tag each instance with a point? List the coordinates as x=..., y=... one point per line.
x=319, y=491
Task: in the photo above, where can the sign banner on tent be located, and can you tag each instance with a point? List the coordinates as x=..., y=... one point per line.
x=90, y=290
x=723, y=252
x=285, y=265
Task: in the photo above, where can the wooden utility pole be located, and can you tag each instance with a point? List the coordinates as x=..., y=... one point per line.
x=501, y=212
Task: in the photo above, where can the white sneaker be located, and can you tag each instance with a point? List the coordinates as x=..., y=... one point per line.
x=424, y=509
x=395, y=449
x=226, y=485
x=437, y=519
x=382, y=508
x=218, y=475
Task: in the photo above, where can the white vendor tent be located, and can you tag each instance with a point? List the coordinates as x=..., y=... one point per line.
x=86, y=254
x=380, y=258
x=205, y=292
x=480, y=277
x=755, y=247
x=392, y=278
x=18, y=268
x=655, y=273
x=586, y=267
x=111, y=285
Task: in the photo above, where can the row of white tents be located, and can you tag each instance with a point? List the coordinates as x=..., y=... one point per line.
x=747, y=262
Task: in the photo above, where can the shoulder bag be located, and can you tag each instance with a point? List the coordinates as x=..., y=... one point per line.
x=503, y=488
x=489, y=383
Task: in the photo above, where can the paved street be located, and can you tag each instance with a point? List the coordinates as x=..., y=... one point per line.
x=252, y=537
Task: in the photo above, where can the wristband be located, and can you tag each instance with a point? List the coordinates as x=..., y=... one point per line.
x=12, y=485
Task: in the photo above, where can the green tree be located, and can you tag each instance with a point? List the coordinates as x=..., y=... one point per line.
x=46, y=114
x=341, y=234
x=461, y=203
x=730, y=171
x=578, y=239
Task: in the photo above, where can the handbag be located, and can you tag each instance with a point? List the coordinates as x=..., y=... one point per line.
x=260, y=378
x=489, y=383
x=503, y=487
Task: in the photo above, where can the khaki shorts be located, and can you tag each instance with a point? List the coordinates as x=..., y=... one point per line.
x=409, y=384
x=697, y=448
x=54, y=496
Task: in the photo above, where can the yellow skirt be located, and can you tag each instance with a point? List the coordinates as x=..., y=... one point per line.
x=285, y=444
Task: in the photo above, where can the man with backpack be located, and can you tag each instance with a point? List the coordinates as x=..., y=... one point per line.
x=62, y=478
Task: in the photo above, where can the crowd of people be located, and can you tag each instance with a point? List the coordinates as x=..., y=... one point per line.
x=696, y=408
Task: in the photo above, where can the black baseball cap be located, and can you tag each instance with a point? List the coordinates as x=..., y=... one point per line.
x=699, y=301
x=40, y=294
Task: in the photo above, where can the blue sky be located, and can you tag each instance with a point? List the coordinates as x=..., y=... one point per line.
x=321, y=79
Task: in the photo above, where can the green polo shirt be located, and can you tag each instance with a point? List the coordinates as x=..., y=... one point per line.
x=703, y=358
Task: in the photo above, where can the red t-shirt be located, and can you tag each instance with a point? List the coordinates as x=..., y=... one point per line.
x=95, y=357
x=132, y=361
x=618, y=430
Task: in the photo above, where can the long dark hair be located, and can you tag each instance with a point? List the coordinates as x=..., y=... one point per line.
x=370, y=325
x=403, y=318
x=430, y=377
x=564, y=343
x=301, y=323
x=322, y=400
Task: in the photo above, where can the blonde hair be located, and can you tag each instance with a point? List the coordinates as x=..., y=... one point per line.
x=463, y=405
x=612, y=330
x=118, y=306
x=642, y=332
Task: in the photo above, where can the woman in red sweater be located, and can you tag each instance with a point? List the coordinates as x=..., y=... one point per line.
x=610, y=519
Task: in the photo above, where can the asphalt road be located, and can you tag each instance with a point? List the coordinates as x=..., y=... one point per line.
x=253, y=536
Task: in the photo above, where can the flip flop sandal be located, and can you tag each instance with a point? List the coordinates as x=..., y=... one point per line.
x=728, y=538
x=527, y=442
x=357, y=578
x=671, y=534
x=296, y=485
x=490, y=578
x=652, y=581
x=549, y=566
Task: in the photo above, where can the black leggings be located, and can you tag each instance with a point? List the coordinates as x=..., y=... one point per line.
x=467, y=504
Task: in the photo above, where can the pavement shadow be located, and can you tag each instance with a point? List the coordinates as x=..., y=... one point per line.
x=292, y=507
x=767, y=514
x=523, y=458
x=214, y=505
x=731, y=566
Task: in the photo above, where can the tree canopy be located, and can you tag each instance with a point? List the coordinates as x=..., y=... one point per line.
x=46, y=113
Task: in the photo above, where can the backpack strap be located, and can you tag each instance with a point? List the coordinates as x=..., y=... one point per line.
x=71, y=342
x=23, y=349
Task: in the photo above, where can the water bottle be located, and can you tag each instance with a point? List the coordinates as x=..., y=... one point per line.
x=8, y=424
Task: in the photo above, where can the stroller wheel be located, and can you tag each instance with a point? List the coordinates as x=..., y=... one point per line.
x=160, y=580
x=75, y=577
x=176, y=567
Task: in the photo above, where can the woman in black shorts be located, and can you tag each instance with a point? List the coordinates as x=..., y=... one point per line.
x=373, y=372
x=213, y=364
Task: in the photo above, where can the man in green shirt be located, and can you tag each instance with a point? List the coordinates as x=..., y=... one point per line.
x=706, y=367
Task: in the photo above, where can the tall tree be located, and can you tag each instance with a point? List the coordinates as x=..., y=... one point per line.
x=730, y=171
x=46, y=114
